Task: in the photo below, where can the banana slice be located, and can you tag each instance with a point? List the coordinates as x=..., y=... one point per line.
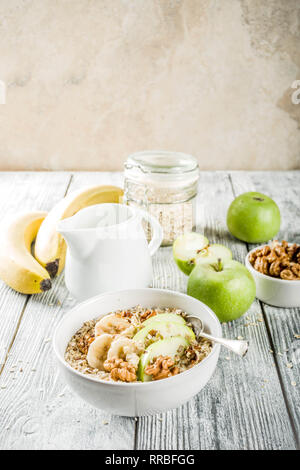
x=111, y=324
x=18, y=268
x=97, y=352
x=124, y=348
x=50, y=247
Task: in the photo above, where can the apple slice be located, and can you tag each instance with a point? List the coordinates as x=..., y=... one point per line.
x=165, y=347
x=212, y=254
x=172, y=317
x=185, y=249
x=164, y=329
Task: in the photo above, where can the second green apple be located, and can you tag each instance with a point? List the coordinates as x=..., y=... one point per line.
x=227, y=288
x=224, y=285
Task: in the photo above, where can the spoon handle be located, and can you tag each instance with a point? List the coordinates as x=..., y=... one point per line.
x=239, y=347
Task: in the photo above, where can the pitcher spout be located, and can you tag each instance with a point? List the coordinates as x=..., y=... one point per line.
x=80, y=242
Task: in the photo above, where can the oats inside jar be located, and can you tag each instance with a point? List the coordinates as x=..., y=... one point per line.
x=136, y=345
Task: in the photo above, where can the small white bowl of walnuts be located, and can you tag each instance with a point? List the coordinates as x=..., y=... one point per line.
x=276, y=270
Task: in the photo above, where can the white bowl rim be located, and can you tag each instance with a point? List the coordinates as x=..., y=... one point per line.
x=215, y=348
x=265, y=276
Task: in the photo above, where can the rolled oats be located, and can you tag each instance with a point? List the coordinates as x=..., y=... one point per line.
x=124, y=369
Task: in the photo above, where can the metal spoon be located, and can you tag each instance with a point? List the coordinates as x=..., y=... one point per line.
x=239, y=347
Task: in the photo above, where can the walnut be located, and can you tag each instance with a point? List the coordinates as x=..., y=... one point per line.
x=285, y=262
x=280, y=251
x=120, y=370
x=278, y=260
x=287, y=274
x=261, y=264
x=162, y=368
x=123, y=374
x=265, y=250
x=252, y=257
x=295, y=268
x=272, y=256
x=257, y=263
x=275, y=269
x=265, y=265
x=293, y=250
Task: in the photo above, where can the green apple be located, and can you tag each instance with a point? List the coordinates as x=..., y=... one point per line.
x=191, y=249
x=185, y=249
x=171, y=317
x=253, y=218
x=212, y=253
x=227, y=288
x=165, y=329
x=165, y=347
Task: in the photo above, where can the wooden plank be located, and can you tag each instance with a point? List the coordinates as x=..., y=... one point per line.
x=93, y=178
x=236, y=410
x=242, y=407
x=284, y=188
x=22, y=192
x=37, y=410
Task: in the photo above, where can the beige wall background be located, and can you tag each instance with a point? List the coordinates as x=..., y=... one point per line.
x=90, y=81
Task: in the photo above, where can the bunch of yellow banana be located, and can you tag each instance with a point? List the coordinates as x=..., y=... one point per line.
x=30, y=274
x=18, y=268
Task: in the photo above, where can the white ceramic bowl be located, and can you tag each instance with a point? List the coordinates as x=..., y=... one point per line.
x=136, y=399
x=273, y=291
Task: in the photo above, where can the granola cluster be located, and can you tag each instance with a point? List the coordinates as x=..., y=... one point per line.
x=84, y=342
x=279, y=260
x=162, y=368
x=147, y=314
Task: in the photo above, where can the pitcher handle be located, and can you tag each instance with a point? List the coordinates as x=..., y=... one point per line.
x=157, y=232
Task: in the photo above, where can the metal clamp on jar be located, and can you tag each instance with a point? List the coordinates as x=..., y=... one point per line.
x=165, y=185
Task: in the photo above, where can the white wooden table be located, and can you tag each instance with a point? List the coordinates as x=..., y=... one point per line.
x=250, y=403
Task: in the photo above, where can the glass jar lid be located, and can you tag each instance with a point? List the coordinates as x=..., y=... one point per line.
x=162, y=166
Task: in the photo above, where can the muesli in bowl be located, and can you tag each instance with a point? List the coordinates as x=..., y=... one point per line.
x=136, y=345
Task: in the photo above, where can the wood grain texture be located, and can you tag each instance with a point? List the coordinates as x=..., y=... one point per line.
x=283, y=324
x=242, y=407
x=37, y=411
x=23, y=192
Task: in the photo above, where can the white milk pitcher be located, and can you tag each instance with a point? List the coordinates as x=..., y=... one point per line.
x=108, y=250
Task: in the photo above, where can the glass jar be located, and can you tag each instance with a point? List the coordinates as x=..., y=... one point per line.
x=164, y=184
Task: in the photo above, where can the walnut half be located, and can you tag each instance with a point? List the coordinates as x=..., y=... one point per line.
x=279, y=260
x=120, y=370
x=162, y=368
